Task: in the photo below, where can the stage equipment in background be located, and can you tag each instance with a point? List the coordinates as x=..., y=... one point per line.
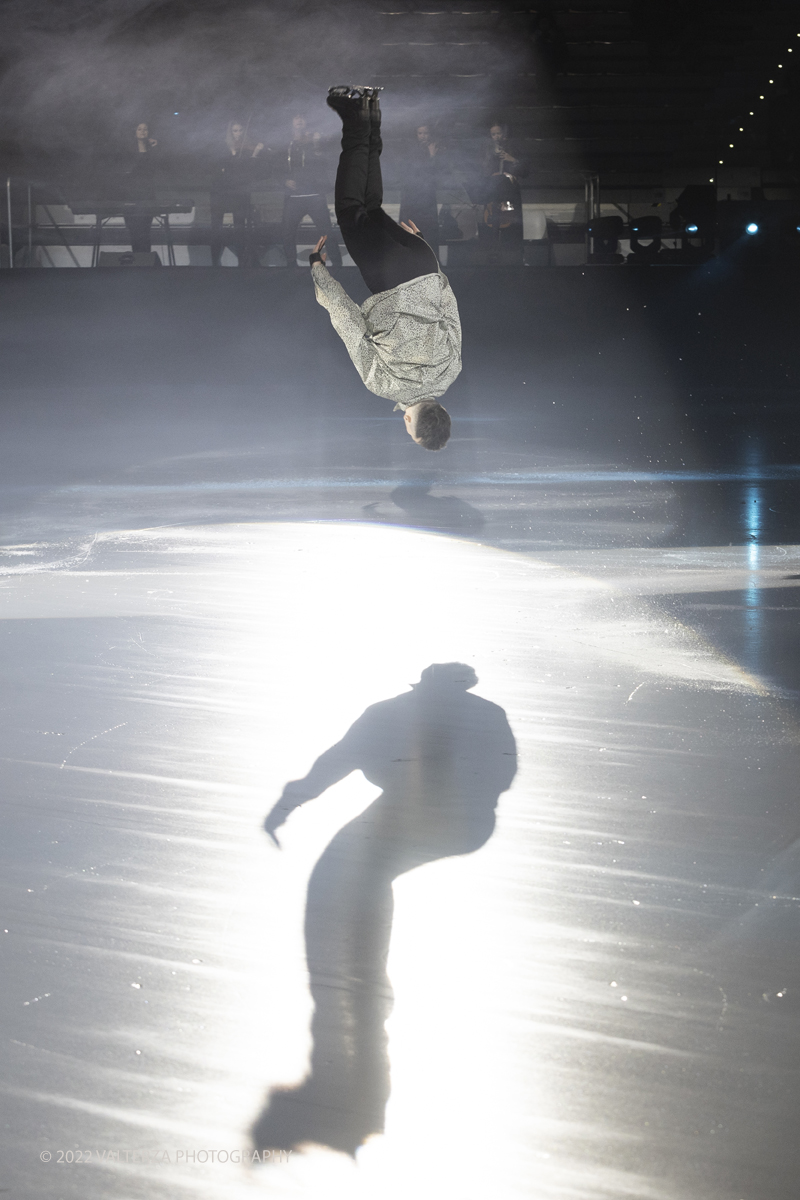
x=694, y=218
x=760, y=228
x=127, y=258
x=103, y=210
x=604, y=235
x=480, y=254
x=645, y=234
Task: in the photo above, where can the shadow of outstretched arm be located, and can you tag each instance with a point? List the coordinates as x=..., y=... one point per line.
x=331, y=766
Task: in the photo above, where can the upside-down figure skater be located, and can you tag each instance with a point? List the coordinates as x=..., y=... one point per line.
x=405, y=341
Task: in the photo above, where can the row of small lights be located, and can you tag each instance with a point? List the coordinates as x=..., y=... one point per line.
x=752, y=227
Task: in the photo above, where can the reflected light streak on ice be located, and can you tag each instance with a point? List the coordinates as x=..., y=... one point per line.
x=753, y=520
x=277, y=638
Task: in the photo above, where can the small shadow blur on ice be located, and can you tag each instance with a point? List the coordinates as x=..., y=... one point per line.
x=423, y=511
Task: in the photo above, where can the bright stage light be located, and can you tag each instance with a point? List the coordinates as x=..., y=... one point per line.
x=752, y=227
x=695, y=217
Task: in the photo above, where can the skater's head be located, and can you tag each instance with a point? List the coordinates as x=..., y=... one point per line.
x=299, y=126
x=423, y=134
x=428, y=423
x=498, y=133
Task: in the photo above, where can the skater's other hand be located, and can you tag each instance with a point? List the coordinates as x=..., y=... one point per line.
x=318, y=254
x=291, y=185
x=410, y=227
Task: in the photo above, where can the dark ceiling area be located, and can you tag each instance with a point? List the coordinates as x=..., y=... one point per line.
x=621, y=88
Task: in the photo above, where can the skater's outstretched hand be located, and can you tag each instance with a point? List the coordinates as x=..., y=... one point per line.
x=293, y=795
x=410, y=227
x=274, y=820
x=318, y=254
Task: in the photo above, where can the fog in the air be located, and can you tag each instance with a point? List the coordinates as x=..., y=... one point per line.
x=76, y=76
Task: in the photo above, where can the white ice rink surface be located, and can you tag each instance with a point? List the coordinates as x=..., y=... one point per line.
x=554, y=1026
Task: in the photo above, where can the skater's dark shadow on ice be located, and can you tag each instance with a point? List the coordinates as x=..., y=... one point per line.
x=423, y=511
x=442, y=757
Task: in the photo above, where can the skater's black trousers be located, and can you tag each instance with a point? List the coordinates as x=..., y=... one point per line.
x=385, y=254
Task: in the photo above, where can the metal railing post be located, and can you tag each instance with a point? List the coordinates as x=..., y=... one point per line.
x=592, y=203
x=57, y=228
x=10, y=232
x=587, y=200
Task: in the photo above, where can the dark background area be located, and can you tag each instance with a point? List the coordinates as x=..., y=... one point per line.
x=624, y=89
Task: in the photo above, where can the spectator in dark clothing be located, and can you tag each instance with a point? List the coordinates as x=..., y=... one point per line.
x=230, y=192
x=418, y=195
x=139, y=190
x=503, y=168
x=309, y=172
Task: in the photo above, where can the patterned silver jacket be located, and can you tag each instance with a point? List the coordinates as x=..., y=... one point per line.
x=404, y=343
